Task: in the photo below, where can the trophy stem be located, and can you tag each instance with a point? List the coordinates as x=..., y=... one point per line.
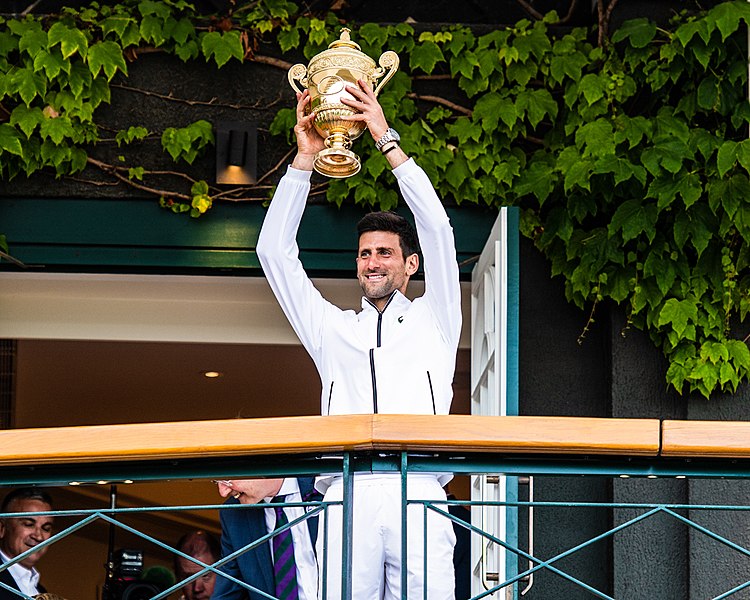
x=338, y=139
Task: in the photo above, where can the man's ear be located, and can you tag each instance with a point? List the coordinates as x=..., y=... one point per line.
x=2, y=528
x=412, y=264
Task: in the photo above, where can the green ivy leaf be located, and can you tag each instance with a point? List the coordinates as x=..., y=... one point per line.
x=739, y=353
x=592, y=87
x=727, y=16
x=9, y=140
x=537, y=104
x=633, y=218
x=56, y=129
x=458, y=172
x=26, y=118
x=640, y=32
x=131, y=134
x=187, y=51
x=595, y=138
x=492, y=107
x=28, y=84
x=222, y=47
x=51, y=63
x=71, y=40
x=425, y=56
x=288, y=39
x=199, y=188
x=715, y=352
x=678, y=313
x=117, y=25
x=152, y=30
x=33, y=39
x=106, y=56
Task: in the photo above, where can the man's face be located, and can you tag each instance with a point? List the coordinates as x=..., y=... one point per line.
x=202, y=587
x=249, y=491
x=18, y=534
x=381, y=266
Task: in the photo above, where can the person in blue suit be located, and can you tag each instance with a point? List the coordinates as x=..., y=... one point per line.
x=239, y=527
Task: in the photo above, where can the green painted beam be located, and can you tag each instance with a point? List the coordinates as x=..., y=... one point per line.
x=121, y=235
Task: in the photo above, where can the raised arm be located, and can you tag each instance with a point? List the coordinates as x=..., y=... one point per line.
x=442, y=288
x=277, y=248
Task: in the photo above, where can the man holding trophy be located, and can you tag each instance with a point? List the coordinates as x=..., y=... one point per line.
x=394, y=356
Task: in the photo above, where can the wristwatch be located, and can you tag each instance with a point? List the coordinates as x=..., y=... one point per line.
x=390, y=135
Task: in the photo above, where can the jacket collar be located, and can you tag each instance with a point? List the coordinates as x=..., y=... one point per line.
x=396, y=299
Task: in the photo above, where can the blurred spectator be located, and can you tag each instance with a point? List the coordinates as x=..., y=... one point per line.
x=19, y=534
x=204, y=547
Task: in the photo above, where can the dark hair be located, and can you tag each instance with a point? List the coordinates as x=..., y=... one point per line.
x=390, y=221
x=197, y=542
x=25, y=493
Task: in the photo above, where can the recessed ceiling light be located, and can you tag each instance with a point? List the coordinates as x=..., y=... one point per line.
x=212, y=374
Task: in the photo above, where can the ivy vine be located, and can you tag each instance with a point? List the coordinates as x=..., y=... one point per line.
x=627, y=154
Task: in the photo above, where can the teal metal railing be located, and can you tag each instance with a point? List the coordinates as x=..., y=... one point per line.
x=401, y=462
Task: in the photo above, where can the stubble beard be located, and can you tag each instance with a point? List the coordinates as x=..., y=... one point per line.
x=376, y=290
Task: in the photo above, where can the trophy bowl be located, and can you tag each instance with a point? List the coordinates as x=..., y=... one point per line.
x=326, y=77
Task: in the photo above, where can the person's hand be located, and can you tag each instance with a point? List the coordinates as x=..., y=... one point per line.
x=309, y=141
x=249, y=491
x=368, y=107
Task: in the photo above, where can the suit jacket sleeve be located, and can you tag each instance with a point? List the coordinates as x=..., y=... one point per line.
x=224, y=588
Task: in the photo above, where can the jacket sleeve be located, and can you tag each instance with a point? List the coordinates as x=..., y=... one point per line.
x=278, y=254
x=224, y=589
x=442, y=288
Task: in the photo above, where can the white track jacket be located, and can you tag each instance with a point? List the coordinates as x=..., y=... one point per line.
x=400, y=360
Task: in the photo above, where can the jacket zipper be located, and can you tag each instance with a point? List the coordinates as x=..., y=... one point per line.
x=374, y=383
x=432, y=394
x=372, y=352
x=330, y=395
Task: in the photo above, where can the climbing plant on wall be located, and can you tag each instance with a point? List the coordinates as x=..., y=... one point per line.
x=627, y=154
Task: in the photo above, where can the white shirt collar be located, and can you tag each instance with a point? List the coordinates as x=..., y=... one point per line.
x=288, y=486
x=27, y=579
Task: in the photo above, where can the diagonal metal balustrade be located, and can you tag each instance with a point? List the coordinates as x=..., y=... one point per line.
x=401, y=444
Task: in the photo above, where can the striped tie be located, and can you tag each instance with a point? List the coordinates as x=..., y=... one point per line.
x=284, y=568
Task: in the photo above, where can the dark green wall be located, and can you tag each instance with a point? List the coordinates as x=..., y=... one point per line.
x=135, y=236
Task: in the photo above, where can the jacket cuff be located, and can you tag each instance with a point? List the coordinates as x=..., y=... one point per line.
x=298, y=174
x=405, y=169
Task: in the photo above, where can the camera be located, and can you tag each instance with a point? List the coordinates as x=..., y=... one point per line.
x=124, y=578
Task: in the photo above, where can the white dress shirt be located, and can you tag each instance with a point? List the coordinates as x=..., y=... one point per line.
x=304, y=555
x=26, y=579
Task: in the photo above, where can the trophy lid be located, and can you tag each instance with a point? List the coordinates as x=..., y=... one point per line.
x=344, y=41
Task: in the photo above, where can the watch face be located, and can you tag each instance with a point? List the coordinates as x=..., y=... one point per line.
x=390, y=135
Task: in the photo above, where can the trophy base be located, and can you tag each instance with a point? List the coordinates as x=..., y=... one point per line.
x=337, y=163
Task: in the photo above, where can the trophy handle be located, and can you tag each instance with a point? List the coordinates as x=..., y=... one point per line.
x=388, y=62
x=298, y=77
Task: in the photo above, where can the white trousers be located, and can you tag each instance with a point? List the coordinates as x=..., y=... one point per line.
x=376, y=541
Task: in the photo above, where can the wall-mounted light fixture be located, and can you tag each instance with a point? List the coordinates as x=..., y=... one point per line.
x=236, y=153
